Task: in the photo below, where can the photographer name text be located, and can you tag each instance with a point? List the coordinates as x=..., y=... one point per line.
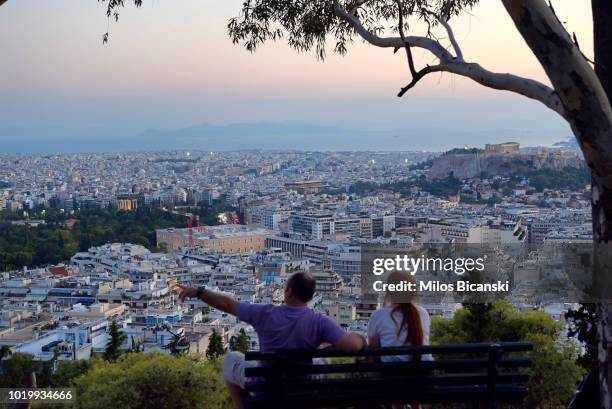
x=437, y=286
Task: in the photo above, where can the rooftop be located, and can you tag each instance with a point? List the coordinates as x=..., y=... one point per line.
x=216, y=232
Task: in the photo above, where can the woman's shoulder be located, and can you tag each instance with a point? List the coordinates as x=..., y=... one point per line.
x=380, y=313
x=383, y=311
x=423, y=312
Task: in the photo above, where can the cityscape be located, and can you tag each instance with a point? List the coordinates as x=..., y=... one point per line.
x=269, y=213
x=262, y=204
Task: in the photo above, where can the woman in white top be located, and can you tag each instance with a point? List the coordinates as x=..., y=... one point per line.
x=400, y=322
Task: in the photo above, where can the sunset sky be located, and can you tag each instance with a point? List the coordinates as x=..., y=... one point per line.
x=171, y=65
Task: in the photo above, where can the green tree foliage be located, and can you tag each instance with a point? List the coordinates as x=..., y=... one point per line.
x=308, y=25
x=133, y=381
x=555, y=369
x=442, y=187
x=208, y=213
x=99, y=226
x=113, y=347
x=583, y=325
x=68, y=371
x=215, y=346
x=239, y=342
x=463, y=151
x=361, y=187
x=53, y=242
x=566, y=178
x=480, y=320
x=16, y=370
x=152, y=381
x=554, y=373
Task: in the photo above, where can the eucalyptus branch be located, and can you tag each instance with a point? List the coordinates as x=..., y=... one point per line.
x=451, y=37
x=448, y=63
x=416, y=75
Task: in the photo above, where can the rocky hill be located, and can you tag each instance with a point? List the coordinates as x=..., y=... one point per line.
x=500, y=159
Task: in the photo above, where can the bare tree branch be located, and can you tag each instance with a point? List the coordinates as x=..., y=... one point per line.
x=451, y=36
x=417, y=76
x=2, y=2
x=508, y=82
x=501, y=81
x=400, y=29
x=390, y=42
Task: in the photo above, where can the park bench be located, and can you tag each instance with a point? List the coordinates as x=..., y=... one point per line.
x=483, y=374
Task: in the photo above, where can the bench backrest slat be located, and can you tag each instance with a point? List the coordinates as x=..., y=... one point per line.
x=474, y=348
x=459, y=364
x=460, y=373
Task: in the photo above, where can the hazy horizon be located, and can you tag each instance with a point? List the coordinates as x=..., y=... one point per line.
x=263, y=136
x=172, y=66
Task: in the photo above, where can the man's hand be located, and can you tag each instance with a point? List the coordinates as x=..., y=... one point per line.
x=186, y=292
x=216, y=300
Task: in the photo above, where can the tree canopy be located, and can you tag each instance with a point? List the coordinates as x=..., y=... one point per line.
x=215, y=346
x=555, y=369
x=308, y=25
x=115, y=341
x=239, y=342
x=152, y=380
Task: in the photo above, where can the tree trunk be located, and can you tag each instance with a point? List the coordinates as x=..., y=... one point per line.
x=602, y=204
x=602, y=236
x=587, y=109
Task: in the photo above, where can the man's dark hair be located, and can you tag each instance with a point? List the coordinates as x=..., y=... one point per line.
x=303, y=285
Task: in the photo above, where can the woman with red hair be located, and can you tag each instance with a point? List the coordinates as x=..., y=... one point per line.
x=400, y=322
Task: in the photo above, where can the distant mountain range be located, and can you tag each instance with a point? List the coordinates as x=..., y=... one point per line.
x=267, y=135
x=244, y=130
x=423, y=136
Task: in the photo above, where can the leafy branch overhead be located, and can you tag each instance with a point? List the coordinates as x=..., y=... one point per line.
x=312, y=25
x=309, y=24
x=381, y=23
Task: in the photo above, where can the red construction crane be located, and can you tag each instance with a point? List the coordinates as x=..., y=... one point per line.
x=190, y=218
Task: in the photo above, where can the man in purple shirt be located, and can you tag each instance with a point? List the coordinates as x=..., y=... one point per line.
x=289, y=326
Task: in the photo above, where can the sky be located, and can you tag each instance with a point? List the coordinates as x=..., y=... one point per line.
x=170, y=66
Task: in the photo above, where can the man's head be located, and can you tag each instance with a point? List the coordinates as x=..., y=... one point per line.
x=300, y=289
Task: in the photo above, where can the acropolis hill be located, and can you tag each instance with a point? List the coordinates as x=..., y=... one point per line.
x=500, y=159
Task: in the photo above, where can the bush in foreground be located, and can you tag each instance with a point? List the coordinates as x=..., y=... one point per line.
x=152, y=381
x=555, y=369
